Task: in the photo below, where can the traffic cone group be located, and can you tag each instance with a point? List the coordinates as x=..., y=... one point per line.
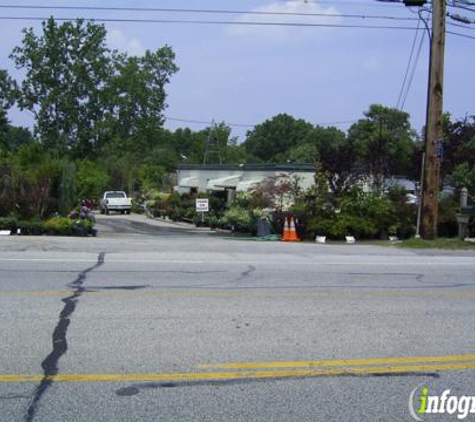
x=289, y=234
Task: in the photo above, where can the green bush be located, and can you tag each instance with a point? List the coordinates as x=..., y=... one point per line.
x=239, y=219
x=34, y=228
x=447, y=222
x=63, y=226
x=137, y=206
x=58, y=226
x=8, y=223
x=81, y=227
x=361, y=214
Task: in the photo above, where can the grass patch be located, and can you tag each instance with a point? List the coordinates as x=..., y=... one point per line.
x=440, y=243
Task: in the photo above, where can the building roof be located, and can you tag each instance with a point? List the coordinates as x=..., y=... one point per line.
x=291, y=167
x=223, y=182
x=189, y=182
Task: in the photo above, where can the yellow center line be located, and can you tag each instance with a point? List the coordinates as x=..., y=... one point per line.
x=342, y=362
x=229, y=376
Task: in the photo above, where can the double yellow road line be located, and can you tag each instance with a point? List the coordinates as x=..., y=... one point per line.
x=275, y=370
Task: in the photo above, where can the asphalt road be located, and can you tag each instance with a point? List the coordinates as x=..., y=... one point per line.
x=152, y=321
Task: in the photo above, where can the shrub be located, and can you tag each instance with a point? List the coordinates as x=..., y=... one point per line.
x=81, y=227
x=34, y=228
x=447, y=221
x=239, y=219
x=8, y=223
x=63, y=226
x=58, y=226
x=361, y=214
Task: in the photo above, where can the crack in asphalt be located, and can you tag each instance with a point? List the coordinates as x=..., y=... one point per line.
x=247, y=273
x=50, y=364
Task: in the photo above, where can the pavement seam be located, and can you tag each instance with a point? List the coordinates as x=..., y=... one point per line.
x=50, y=364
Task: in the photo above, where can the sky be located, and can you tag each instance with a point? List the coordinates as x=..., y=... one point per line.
x=245, y=74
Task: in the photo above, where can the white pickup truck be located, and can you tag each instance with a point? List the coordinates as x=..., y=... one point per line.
x=115, y=201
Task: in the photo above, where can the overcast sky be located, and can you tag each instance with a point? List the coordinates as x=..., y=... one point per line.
x=243, y=74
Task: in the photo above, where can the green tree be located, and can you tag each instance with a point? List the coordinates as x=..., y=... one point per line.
x=15, y=137
x=67, y=188
x=92, y=179
x=458, y=164
x=337, y=159
x=6, y=101
x=66, y=69
x=274, y=140
x=384, y=142
x=136, y=98
x=190, y=146
x=31, y=182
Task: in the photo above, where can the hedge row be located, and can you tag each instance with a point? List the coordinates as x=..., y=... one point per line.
x=56, y=226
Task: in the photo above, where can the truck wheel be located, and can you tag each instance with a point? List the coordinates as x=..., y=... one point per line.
x=122, y=212
x=102, y=211
x=107, y=211
x=127, y=211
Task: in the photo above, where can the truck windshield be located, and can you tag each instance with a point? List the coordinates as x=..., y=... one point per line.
x=115, y=195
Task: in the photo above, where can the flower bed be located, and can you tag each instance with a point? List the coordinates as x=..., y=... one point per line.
x=56, y=226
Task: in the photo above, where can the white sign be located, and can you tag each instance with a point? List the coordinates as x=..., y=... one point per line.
x=202, y=205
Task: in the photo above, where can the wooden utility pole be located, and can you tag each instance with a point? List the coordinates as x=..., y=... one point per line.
x=434, y=123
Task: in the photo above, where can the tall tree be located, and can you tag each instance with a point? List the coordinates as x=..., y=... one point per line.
x=337, y=160
x=275, y=139
x=136, y=98
x=384, y=140
x=66, y=70
x=17, y=136
x=6, y=101
x=458, y=164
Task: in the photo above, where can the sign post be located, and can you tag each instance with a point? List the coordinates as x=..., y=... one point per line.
x=202, y=206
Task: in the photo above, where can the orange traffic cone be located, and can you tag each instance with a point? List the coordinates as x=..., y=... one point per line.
x=292, y=232
x=286, y=231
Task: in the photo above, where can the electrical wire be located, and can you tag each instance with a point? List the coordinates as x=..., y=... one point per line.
x=203, y=122
x=215, y=22
x=461, y=35
x=406, y=74
x=461, y=26
x=207, y=11
x=242, y=125
x=413, y=72
x=236, y=23
x=458, y=6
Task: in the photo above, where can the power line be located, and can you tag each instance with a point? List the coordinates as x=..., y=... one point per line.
x=204, y=122
x=461, y=35
x=215, y=22
x=459, y=6
x=207, y=11
x=242, y=125
x=406, y=74
x=413, y=72
x=236, y=23
x=347, y=3
x=461, y=26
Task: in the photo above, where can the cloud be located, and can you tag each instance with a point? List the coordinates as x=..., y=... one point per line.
x=117, y=40
x=283, y=34
x=372, y=65
x=135, y=48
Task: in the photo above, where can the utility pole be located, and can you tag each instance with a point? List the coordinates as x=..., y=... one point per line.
x=434, y=123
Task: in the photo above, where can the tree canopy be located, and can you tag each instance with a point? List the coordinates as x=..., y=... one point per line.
x=272, y=140
x=384, y=140
x=83, y=95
